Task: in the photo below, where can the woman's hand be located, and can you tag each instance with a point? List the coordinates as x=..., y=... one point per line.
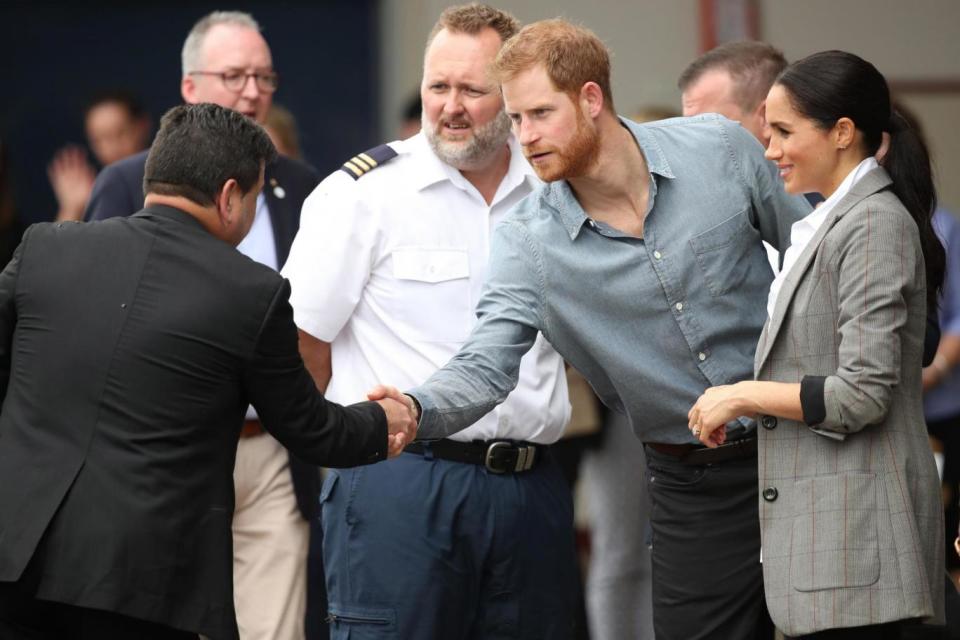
x=708, y=417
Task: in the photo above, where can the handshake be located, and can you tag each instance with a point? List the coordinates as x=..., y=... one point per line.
x=402, y=417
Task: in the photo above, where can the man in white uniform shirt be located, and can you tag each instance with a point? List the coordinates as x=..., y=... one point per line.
x=466, y=537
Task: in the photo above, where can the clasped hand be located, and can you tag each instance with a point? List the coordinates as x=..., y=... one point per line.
x=708, y=417
x=401, y=417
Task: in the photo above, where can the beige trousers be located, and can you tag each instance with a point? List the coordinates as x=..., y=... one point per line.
x=270, y=543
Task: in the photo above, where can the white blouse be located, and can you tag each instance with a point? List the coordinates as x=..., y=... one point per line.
x=804, y=229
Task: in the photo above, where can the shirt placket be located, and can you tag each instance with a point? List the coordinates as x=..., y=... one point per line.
x=667, y=262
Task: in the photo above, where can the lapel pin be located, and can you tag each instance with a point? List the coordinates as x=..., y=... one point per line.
x=277, y=189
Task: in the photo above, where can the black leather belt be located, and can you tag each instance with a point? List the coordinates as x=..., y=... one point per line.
x=498, y=456
x=693, y=454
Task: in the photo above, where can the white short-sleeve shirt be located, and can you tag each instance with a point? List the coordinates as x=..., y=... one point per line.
x=389, y=267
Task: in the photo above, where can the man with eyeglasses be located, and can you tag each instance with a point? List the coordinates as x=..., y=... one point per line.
x=226, y=61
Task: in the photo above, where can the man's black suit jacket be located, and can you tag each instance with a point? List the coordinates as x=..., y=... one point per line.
x=122, y=406
x=118, y=191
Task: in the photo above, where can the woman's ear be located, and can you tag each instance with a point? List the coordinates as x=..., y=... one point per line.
x=845, y=132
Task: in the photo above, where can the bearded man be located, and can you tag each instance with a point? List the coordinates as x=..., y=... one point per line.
x=467, y=537
x=641, y=261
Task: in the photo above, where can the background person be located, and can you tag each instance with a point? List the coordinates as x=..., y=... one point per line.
x=117, y=126
x=733, y=80
x=281, y=126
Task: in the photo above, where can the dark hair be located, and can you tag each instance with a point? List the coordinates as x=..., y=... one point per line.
x=201, y=146
x=124, y=98
x=752, y=65
x=831, y=85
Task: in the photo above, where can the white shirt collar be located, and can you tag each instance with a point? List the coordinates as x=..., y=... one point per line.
x=433, y=169
x=816, y=217
x=803, y=230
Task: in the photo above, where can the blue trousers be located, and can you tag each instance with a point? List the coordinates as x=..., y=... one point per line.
x=426, y=548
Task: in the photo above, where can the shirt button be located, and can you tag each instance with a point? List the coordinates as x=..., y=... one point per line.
x=702, y=356
x=657, y=255
x=679, y=306
x=768, y=422
x=770, y=494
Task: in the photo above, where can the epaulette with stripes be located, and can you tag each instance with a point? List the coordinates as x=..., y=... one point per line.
x=368, y=160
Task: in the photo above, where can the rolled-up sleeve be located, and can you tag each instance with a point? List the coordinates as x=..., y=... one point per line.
x=879, y=264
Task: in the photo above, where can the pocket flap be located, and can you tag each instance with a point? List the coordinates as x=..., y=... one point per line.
x=327, y=490
x=430, y=265
x=722, y=234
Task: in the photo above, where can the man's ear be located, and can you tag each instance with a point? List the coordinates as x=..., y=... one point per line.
x=228, y=202
x=591, y=97
x=761, y=112
x=188, y=89
x=760, y=117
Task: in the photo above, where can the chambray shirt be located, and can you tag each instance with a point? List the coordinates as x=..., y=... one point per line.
x=651, y=322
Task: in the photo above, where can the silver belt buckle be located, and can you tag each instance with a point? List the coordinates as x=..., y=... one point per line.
x=526, y=456
x=488, y=459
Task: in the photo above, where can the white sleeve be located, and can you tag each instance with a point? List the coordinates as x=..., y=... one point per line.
x=331, y=257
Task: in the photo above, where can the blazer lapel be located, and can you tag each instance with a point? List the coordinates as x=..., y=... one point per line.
x=874, y=181
x=278, y=203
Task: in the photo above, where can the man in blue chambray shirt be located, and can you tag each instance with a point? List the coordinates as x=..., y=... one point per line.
x=641, y=261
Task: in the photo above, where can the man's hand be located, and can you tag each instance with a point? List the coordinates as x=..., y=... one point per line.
x=386, y=394
x=382, y=391
x=71, y=177
x=401, y=425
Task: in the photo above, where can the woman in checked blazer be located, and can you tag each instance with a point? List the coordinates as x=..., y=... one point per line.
x=850, y=510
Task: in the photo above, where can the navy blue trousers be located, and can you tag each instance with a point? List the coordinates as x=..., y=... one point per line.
x=427, y=548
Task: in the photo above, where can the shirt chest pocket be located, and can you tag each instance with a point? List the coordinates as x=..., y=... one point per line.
x=434, y=302
x=727, y=253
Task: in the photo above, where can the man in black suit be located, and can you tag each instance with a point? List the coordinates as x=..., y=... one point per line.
x=124, y=399
x=226, y=61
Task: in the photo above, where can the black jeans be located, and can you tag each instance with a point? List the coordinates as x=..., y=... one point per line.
x=707, y=579
x=898, y=630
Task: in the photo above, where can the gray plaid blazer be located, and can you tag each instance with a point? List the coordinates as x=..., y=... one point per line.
x=850, y=509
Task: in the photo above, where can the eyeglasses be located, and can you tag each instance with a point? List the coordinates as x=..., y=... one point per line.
x=235, y=80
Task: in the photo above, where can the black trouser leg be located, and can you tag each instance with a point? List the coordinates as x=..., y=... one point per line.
x=707, y=578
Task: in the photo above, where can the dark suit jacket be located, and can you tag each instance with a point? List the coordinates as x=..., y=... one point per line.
x=119, y=192
x=122, y=409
